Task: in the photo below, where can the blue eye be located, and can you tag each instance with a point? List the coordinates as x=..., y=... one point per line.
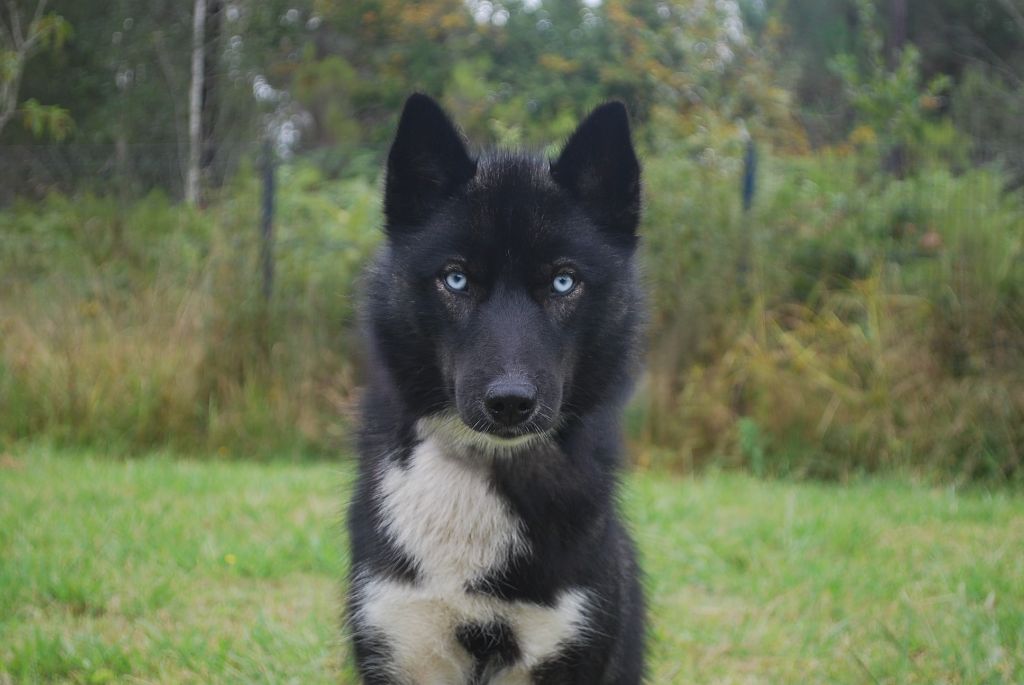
x=456, y=280
x=563, y=283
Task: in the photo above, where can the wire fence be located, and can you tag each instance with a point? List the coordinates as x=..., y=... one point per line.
x=32, y=171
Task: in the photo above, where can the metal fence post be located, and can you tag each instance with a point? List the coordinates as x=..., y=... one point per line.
x=749, y=175
x=748, y=189
x=267, y=221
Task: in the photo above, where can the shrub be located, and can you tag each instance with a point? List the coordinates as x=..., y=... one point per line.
x=881, y=329
x=146, y=326
x=849, y=323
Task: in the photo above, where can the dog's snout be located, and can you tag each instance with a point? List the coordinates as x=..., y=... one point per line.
x=510, y=403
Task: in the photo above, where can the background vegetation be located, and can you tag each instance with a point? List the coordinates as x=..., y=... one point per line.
x=864, y=314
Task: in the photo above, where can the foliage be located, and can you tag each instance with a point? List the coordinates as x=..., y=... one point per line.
x=891, y=102
x=880, y=266
x=881, y=332
x=333, y=75
x=328, y=77
x=157, y=334
x=21, y=37
x=988, y=105
x=842, y=327
x=43, y=120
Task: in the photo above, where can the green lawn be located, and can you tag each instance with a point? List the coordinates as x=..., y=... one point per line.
x=164, y=570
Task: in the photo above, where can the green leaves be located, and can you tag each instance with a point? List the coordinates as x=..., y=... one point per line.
x=896, y=103
x=10, y=65
x=45, y=31
x=46, y=120
x=51, y=30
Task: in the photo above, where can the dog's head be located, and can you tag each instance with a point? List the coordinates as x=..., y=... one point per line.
x=506, y=292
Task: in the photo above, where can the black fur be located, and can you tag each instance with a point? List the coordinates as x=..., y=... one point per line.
x=511, y=222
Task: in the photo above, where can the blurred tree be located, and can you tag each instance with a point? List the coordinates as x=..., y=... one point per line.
x=523, y=71
x=702, y=68
x=212, y=62
x=894, y=102
x=951, y=37
x=195, y=102
x=124, y=80
x=327, y=77
x=367, y=55
x=896, y=37
x=24, y=31
x=988, y=103
x=810, y=33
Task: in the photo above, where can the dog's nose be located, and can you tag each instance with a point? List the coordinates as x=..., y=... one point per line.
x=510, y=403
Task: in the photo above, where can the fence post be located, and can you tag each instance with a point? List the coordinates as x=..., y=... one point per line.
x=748, y=189
x=749, y=175
x=267, y=220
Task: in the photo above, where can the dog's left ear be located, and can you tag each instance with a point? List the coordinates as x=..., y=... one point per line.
x=599, y=168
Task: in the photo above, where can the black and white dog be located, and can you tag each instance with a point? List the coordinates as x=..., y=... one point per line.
x=502, y=318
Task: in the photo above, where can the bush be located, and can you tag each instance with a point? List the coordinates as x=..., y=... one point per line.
x=880, y=329
x=849, y=323
x=146, y=325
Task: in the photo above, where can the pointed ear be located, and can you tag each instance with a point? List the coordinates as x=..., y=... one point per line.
x=599, y=168
x=427, y=163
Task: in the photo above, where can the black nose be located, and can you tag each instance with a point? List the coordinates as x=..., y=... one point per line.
x=510, y=403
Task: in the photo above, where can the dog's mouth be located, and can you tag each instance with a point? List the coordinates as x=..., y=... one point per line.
x=505, y=434
x=485, y=436
x=501, y=438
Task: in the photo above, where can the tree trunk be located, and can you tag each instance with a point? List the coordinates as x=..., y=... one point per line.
x=897, y=159
x=9, y=95
x=210, y=167
x=897, y=31
x=195, y=103
x=19, y=47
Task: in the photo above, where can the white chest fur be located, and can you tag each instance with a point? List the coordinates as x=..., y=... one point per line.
x=443, y=513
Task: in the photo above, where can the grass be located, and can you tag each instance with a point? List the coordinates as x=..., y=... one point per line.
x=145, y=326
x=167, y=570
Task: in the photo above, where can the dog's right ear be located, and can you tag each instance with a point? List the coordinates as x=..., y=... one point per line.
x=427, y=163
x=599, y=168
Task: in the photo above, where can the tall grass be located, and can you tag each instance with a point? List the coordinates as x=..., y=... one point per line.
x=145, y=325
x=850, y=322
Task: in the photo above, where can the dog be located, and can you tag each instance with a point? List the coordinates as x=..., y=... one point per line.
x=502, y=317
